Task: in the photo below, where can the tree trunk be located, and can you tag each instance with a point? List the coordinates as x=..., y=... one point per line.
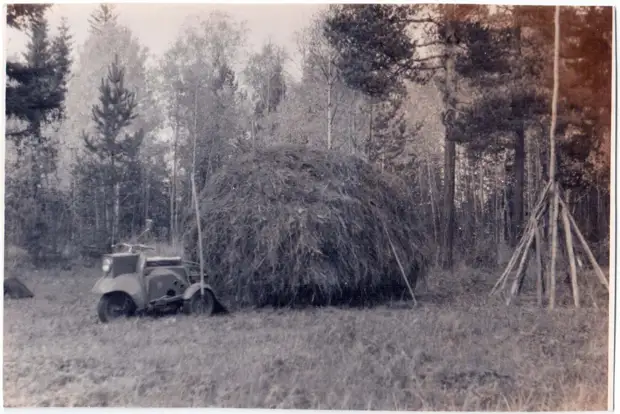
x=173, y=182
x=117, y=209
x=552, y=160
x=97, y=210
x=448, y=205
x=480, y=220
x=369, y=138
x=519, y=161
x=517, y=195
x=147, y=191
x=352, y=145
x=449, y=153
x=329, y=105
x=432, y=201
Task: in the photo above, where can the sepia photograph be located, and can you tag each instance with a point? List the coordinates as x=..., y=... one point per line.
x=325, y=206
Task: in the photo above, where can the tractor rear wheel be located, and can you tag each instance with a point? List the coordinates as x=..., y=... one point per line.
x=114, y=306
x=200, y=305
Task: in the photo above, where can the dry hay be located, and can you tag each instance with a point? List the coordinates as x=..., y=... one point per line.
x=290, y=225
x=15, y=289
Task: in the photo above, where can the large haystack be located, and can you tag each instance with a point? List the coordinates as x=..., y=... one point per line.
x=292, y=225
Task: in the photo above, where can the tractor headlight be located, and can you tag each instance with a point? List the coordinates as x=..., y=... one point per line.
x=107, y=265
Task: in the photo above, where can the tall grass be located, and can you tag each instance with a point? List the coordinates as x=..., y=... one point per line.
x=457, y=350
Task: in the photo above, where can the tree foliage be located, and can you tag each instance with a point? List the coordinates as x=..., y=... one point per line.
x=265, y=76
x=18, y=16
x=453, y=98
x=35, y=89
x=114, y=151
x=35, y=98
x=103, y=16
x=375, y=52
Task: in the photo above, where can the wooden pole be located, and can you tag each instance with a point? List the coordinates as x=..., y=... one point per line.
x=584, y=243
x=554, y=116
x=198, y=224
x=571, y=255
x=539, y=273
x=554, y=101
x=554, y=247
x=402, y=270
x=195, y=197
x=529, y=236
x=534, y=217
x=515, y=286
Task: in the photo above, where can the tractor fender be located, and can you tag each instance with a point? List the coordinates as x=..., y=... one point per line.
x=193, y=288
x=128, y=283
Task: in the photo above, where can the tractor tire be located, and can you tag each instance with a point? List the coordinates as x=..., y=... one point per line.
x=198, y=305
x=114, y=306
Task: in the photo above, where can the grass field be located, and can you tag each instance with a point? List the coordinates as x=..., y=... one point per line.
x=457, y=350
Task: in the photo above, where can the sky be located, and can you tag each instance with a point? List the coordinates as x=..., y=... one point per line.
x=158, y=25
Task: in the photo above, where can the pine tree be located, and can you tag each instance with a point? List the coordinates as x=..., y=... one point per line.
x=374, y=48
x=587, y=92
x=18, y=16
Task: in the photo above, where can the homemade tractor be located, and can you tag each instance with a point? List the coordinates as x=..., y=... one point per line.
x=133, y=283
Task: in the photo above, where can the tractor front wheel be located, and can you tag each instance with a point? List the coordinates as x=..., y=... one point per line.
x=200, y=305
x=114, y=306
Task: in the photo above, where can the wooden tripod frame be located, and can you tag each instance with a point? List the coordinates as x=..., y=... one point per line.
x=549, y=197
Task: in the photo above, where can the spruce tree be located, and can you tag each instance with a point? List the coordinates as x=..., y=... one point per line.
x=390, y=134
x=116, y=111
x=34, y=96
x=61, y=58
x=39, y=147
x=102, y=16
x=31, y=93
x=113, y=149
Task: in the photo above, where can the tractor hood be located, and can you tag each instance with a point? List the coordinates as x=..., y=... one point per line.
x=122, y=263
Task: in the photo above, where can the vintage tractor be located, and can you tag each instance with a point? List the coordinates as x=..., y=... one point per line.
x=133, y=283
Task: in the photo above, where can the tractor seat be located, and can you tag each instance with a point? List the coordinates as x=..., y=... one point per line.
x=164, y=261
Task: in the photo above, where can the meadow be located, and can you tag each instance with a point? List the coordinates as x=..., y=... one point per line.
x=457, y=349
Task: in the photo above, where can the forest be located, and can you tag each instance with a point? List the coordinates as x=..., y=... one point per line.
x=456, y=99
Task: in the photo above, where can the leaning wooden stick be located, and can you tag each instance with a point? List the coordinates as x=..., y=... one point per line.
x=199, y=228
x=519, y=249
x=539, y=273
x=535, y=216
x=402, y=270
x=554, y=247
x=515, y=284
x=571, y=254
x=584, y=243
